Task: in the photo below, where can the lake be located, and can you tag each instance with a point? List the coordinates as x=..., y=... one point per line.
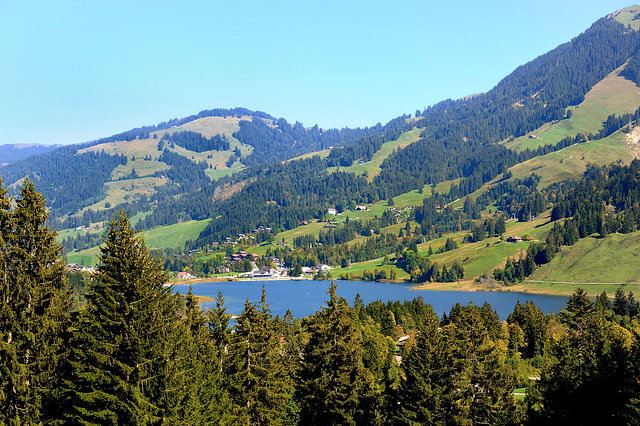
x=305, y=297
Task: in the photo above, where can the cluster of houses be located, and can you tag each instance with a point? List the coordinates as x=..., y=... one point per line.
x=275, y=269
x=74, y=267
x=281, y=272
x=516, y=239
x=333, y=212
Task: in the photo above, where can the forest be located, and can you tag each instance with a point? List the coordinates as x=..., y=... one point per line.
x=460, y=139
x=136, y=353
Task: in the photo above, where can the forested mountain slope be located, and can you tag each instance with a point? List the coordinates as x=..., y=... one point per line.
x=14, y=152
x=550, y=117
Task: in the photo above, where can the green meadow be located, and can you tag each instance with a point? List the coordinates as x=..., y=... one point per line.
x=613, y=95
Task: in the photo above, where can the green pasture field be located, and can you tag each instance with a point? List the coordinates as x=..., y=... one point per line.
x=485, y=256
x=583, y=262
x=370, y=266
x=89, y=256
x=627, y=15
x=321, y=154
x=211, y=126
x=137, y=148
x=571, y=162
x=142, y=167
x=372, y=168
x=613, y=95
x=175, y=236
x=121, y=191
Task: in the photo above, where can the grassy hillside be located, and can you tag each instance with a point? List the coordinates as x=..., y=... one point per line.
x=571, y=162
x=372, y=168
x=613, y=95
x=121, y=191
x=172, y=236
x=626, y=16
x=485, y=256
x=613, y=259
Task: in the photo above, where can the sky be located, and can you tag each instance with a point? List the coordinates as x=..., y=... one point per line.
x=75, y=71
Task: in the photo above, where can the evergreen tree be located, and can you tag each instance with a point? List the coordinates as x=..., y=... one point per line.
x=201, y=398
x=424, y=369
x=34, y=309
x=218, y=325
x=571, y=386
x=122, y=348
x=333, y=384
x=257, y=380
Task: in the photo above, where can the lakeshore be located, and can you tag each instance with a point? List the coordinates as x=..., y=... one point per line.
x=528, y=287
x=305, y=297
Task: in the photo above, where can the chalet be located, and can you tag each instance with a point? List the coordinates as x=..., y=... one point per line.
x=275, y=260
x=401, y=342
x=266, y=273
x=332, y=211
x=514, y=239
x=361, y=208
x=243, y=255
x=184, y=276
x=222, y=270
x=323, y=267
x=400, y=345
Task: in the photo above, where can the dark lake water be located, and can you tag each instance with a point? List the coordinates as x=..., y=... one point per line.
x=305, y=297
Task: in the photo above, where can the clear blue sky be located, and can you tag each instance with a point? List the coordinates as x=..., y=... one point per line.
x=72, y=71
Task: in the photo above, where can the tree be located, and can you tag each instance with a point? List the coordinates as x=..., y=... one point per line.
x=455, y=373
x=296, y=271
x=34, y=309
x=572, y=386
x=333, y=384
x=257, y=380
x=201, y=398
x=423, y=365
x=121, y=357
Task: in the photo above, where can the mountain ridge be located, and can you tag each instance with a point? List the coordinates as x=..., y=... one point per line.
x=458, y=146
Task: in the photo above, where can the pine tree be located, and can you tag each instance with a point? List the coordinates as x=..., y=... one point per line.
x=333, y=384
x=257, y=381
x=195, y=375
x=571, y=386
x=34, y=309
x=420, y=394
x=124, y=339
x=219, y=332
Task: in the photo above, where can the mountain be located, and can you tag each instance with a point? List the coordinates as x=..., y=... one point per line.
x=14, y=152
x=518, y=149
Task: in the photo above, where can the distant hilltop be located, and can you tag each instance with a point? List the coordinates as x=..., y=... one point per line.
x=14, y=152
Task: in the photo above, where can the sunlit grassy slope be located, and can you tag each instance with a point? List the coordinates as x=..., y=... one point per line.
x=571, y=162
x=627, y=16
x=372, y=168
x=613, y=259
x=172, y=236
x=613, y=95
